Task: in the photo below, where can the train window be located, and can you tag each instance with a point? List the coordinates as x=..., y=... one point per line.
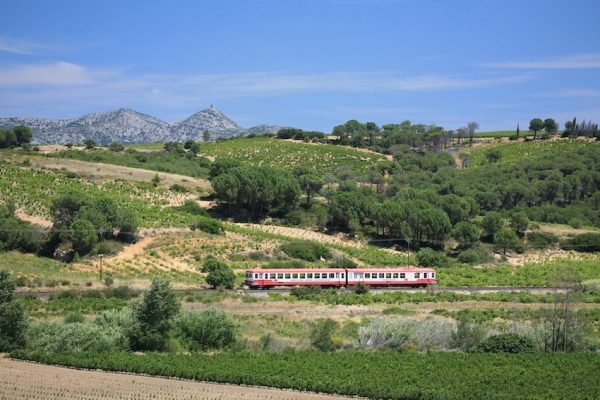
x=388, y=275
x=402, y=275
x=272, y=276
x=342, y=275
x=367, y=275
x=302, y=276
x=381, y=275
x=417, y=275
x=309, y=275
x=433, y=274
x=249, y=275
x=279, y=276
x=317, y=275
x=331, y=275
x=255, y=276
x=287, y=276
x=425, y=275
x=395, y=275
x=294, y=276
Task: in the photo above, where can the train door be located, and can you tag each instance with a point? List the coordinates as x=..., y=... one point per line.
x=359, y=277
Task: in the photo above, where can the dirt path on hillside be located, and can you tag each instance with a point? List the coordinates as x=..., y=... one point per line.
x=25, y=380
x=90, y=170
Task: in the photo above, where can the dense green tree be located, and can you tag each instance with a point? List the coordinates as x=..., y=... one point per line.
x=206, y=136
x=466, y=233
x=536, y=125
x=83, y=236
x=321, y=334
x=492, y=222
x=427, y=257
x=519, y=221
x=22, y=134
x=89, y=144
x=13, y=322
x=154, y=316
x=550, y=125
x=310, y=183
x=221, y=275
x=493, y=155
x=506, y=239
x=210, y=329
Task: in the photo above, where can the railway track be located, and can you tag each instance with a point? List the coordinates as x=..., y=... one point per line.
x=45, y=295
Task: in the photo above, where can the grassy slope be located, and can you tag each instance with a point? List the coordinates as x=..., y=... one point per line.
x=33, y=190
x=390, y=375
x=288, y=155
x=151, y=161
x=520, y=151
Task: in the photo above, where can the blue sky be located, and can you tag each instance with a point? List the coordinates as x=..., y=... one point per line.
x=310, y=64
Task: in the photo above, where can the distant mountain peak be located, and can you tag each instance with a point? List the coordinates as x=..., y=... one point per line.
x=126, y=125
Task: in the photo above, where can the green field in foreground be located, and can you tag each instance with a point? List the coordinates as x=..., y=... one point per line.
x=377, y=375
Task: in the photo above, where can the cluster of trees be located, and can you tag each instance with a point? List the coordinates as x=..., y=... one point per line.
x=549, y=125
x=17, y=136
x=254, y=191
x=83, y=221
x=299, y=134
x=153, y=322
x=16, y=234
x=589, y=128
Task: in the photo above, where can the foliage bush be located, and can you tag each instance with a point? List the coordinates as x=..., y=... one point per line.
x=208, y=225
x=153, y=316
x=13, y=322
x=541, y=240
x=585, y=242
x=507, y=343
x=210, y=329
x=427, y=257
x=304, y=250
x=53, y=337
x=321, y=334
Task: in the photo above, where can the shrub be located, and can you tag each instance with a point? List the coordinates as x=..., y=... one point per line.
x=541, y=240
x=221, y=276
x=507, y=343
x=575, y=223
x=153, y=316
x=12, y=316
x=586, y=242
x=211, y=329
x=342, y=262
x=468, y=256
x=361, y=288
x=208, y=225
x=305, y=292
x=74, y=317
x=178, y=188
x=468, y=335
x=427, y=257
x=400, y=333
x=191, y=207
x=321, y=334
x=54, y=337
x=308, y=251
x=108, y=280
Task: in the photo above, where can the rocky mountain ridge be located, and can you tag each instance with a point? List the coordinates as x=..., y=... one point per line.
x=129, y=126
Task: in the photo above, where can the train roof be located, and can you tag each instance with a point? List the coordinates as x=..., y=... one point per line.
x=381, y=269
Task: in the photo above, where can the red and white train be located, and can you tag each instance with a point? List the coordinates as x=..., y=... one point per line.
x=338, y=277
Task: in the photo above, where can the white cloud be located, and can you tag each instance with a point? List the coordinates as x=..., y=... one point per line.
x=20, y=46
x=54, y=74
x=576, y=61
x=579, y=93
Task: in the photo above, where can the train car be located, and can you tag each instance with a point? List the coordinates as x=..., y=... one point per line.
x=415, y=277
x=338, y=277
x=266, y=278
